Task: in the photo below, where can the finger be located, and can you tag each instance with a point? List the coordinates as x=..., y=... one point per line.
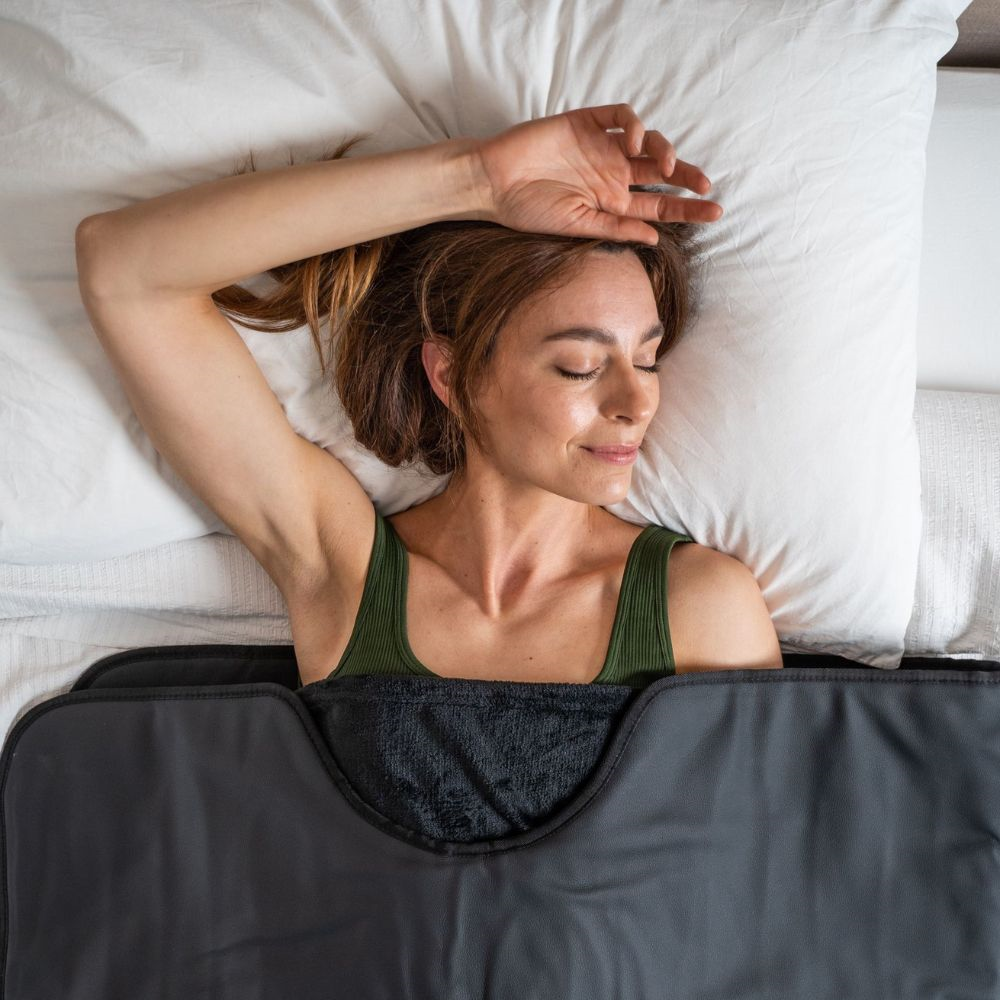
x=621, y=116
x=602, y=225
x=660, y=151
x=686, y=175
x=671, y=208
x=689, y=176
x=661, y=154
x=646, y=170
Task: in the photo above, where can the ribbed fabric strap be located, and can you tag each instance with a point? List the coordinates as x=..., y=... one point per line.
x=640, y=650
x=372, y=649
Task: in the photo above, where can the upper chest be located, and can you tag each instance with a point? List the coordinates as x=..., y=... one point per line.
x=559, y=637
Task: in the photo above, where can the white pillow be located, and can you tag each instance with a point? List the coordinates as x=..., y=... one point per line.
x=956, y=612
x=785, y=434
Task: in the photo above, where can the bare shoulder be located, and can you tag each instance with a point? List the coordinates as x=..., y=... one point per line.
x=717, y=616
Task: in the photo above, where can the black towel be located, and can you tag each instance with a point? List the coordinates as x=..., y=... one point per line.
x=464, y=760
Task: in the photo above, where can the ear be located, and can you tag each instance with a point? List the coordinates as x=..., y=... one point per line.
x=437, y=364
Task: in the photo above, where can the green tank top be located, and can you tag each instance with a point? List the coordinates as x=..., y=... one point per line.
x=639, y=650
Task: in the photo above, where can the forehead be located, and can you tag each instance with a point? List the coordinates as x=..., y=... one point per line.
x=608, y=299
x=599, y=334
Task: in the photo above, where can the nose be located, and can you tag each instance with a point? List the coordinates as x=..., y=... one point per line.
x=634, y=395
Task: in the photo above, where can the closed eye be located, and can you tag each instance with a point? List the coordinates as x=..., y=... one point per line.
x=652, y=369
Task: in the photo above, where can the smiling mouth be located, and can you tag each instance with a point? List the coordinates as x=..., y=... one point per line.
x=615, y=456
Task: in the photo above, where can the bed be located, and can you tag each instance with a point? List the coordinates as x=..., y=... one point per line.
x=181, y=818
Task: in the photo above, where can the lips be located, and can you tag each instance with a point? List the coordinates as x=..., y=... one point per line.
x=615, y=449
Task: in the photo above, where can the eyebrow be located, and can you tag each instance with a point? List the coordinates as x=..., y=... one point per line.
x=599, y=334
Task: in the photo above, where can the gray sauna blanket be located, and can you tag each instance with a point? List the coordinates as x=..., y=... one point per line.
x=177, y=827
x=464, y=763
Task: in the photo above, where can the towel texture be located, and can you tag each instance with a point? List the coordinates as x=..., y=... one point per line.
x=464, y=760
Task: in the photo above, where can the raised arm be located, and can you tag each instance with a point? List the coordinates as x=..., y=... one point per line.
x=192, y=242
x=146, y=275
x=564, y=174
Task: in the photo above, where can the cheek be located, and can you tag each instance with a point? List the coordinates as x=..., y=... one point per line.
x=546, y=413
x=539, y=408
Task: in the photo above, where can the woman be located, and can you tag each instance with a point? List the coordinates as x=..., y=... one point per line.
x=454, y=270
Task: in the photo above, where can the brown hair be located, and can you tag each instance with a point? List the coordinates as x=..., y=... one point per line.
x=456, y=282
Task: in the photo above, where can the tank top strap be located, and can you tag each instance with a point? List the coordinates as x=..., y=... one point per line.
x=641, y=648
x=372, y=647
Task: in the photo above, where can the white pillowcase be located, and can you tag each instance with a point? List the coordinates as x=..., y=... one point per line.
x=785, y=435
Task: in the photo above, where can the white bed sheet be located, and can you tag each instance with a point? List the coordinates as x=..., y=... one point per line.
x=956, y=608
x=56, y=620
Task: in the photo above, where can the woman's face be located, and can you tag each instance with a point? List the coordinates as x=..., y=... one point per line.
x=539, y=422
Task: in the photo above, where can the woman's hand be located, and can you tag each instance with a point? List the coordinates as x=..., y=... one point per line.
x=567, y=175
